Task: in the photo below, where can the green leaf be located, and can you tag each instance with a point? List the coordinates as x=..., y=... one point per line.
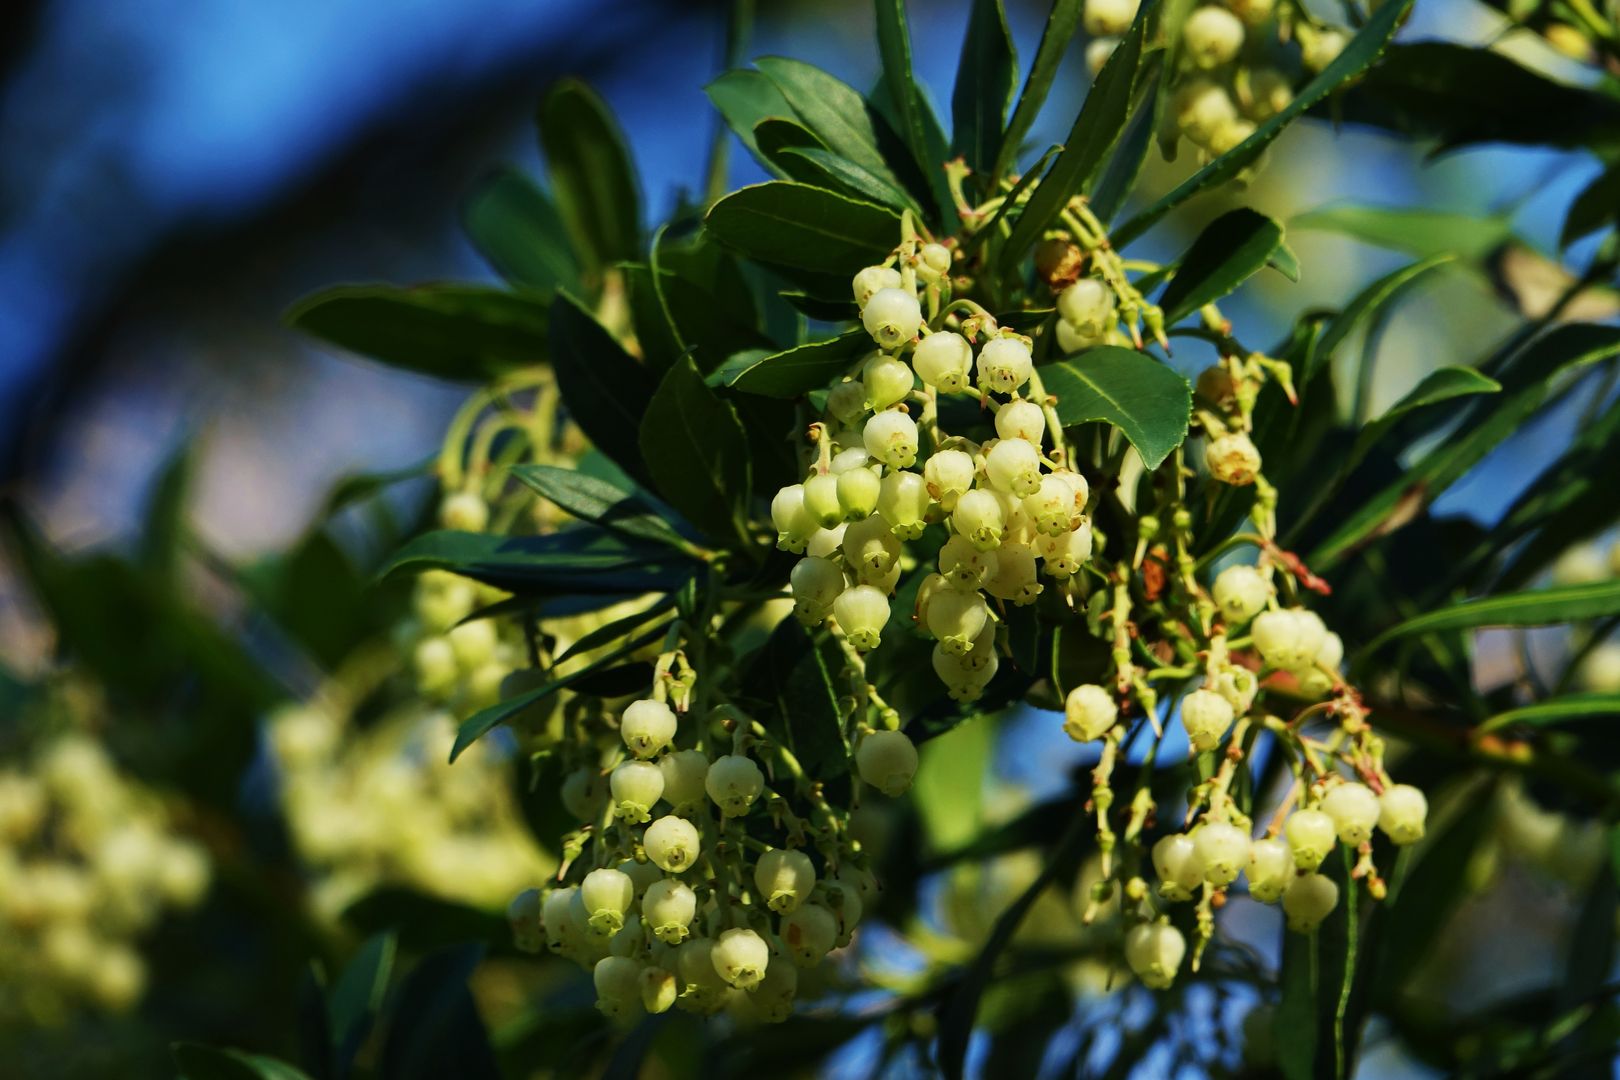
x=1369, y=305
x=830, y=108
x=949, y=787
x=697, y=453
x=515, y=226
x=599, y=502
x=1421, y=232
x=787, y=224
x=894, y=50
x=846, y=176
x=797, y=371
x=605, y=388
x=709, y=300
x=1124, y=165
x=435, y=1030
x=582, y=561
x=744, y=98
x=775, y=135
x=1139, y=395
x=618, y=628
x=794, y=671
x=198, y=1062
x=1357, y=56
x=469, y=333
x=1231, y=249
x=1442, y=384
x=1095, y=130
x=1061, y=24
x=356, y=998
x=985, y=78
x=591, y=176
x=1555, y=711
x=163, y=525
x=1537, y=607
x=1595, y=207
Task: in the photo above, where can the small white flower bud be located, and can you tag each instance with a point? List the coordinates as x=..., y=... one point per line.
x=1223, y=849
x=1022, y=420
x=1271, y=868
x=1241, y=592
x=523, y=915
x=851, y=457
x=607, y=894
x=734, y=782
x=1354, y=810
x=1109, y=18
x=871, y=548
x=964, y=565
x=1233, y=459
x=658, y=989
x=1070, y=340
x=1088, y=712
x=979, y=517
x=618, y=987
x=1014, y=466
x=637, y=787
x=824, y=543
x=1308, y=900
x=816, y=583
x=887, y=381
x=949, y=473
x=1288, y=639
x=647, y=726
x=944, y=361
x=1202, y=107
x=1225, y=139
x=684, y=772
x=1065, y=554
x=1269, y=91
x=891, y=437
x=887, y=760
x=892, y=316
x=672, y=843
x=465, y=511
x=1014, y=578
x=1058, y=505
x=821, y=500
x=936, y=258
x=1176, y=863
x=1238, y=685
x=846, y=401
x=956, y=617
x=903, y=504
x=556, y=918
x=1154, y=952
x=872, y=280
x=583, y=793
x=1206, y=716
x=862, y=611
x=858, y=492
x=668, y=908
x=784, y=878
x=1087, y=306
x=694, y=962
x=1005, y=364
x=793, y=522
x=1402, y=810
x=809, y=932
x=965, y=677
x=1311, y=835
x=1211, y=37
x=741, y=957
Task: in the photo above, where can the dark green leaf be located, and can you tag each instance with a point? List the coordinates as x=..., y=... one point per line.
x=917, y=126
x=1061, y=24
x=617, y=629
x=795, y=225
x=796, y=371
x=1539, y=607
x=1421, y=232
x=655, y=331
x=1357, y=56
x=198, y=1062
x=356, y=998
x=1124, y=165
x=470, y=333
x=163, y=528
x=1442, y=384
x=591, y=176
x=599, y=502
x=775, y=135
x=435, y=1030
x=1597, y=205
x=697, y=453
x=1556, y=710
x=1369, y=305
x=582, y=561
x=832, y=109
x=794, y=671
x=744, y=98
x=1231, y=248
x=709, y=300
x=848, y=177
x=985, y=78
x=1142, y=397
x=514, y=225
x=605, y=388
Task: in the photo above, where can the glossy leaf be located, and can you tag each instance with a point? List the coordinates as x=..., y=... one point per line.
x=591, y=176
x=605, y=388
x=744, y=98
x=986, y=75
x=795, y=225
x=910, y=111
x=1061, y=24
x=1369, y=305
x=580, y=561
x=1142, y=397
x=830, y=108
x=515, y=226
x=1440, y=385
x=1357, y=56
x=848, y=177
x=591, y=499
x=1119, y=174
x=356, y=998
x=1539, y=607
x=435, y=1030
x=796, y=371
x=468, y=333
x=1230, y=250
x=697, y=453
x=1556, y=710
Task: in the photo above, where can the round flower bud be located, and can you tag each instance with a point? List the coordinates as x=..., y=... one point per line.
x=949, y=474
x=858, y=492
x=556, y=909
x=1206, y=716
x=1109, y=18
x=1321, y=48
x=892, y=316
x=1600, y=671
x=1176, y=863
x=618, y=987
x=607, y=894
x=784, y=878
x=1058, y=504
x=963, y=565
x=1308, y=900
x=734, y=782
x=1354, y=810
x=887, y=760
x=846, y=401
x=647, y=726
x=465, y=511
x=851, y=457
x=641, y=874
x=1314, y=679
x=434, y=661
x=1271, y=868
x=1232, y=459
x=672, y=843
x=694, y=963
x=809, y=932
x=944, y=361
x=668, y=908
x=903, y=504
x=1241, y=592
x=1070, y=340
x=658, y=989
x=636, y=787
x=1311, y=835
x=979, y=517
x=934, y=259
x=891, y=437
x=1402, y=810
x=772, y=999
x=1005, y=364
x=821, y=500
x=1014, y=466
x=1154, y=952
x=956, y=617
x=741, y=957
x=862, y=611
x=1238, y=685
x=1269, y=92
x=583, y=793
x=887, y=381
x=1201, y=107
x=1226, y=138
x=1223, y=849
x=793, y=522
x=1088, y=712
x=684, y=772
x=1021, y=420
x=873, y=279
x=523, y=915
x=1288, y=639
x=1014, y=578
x=871, y=548
x=1065, y=554
x=824, y=543
x=816, y=583
x=1211, y=37
x=1087, y=306
x=965, y=677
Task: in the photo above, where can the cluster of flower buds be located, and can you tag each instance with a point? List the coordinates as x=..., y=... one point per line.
x=89, y=861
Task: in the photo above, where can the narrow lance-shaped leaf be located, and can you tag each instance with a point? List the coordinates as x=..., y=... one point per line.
x=1539, y=607
x=1233, y=247
x=1443, y=384
x=1061, y=24
x=1422, y=232
x=1556, y=710
x=985, y=78
x=599, y=502
x=1146, y=400
x=605, y=388
x=1124, y=165
x=894, y=47
x=1368, y=304
x=697, y=452
x=514, y=225
x=591, y=176
x=849, y=177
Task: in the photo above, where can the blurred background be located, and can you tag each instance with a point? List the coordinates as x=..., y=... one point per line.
x=175, y=175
